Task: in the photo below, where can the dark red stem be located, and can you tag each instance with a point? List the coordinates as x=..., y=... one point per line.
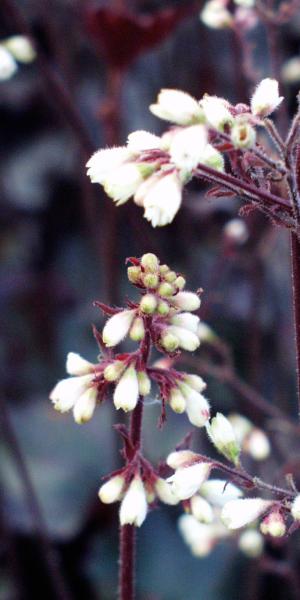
x=295, y=265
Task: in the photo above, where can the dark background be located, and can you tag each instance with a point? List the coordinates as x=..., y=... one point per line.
x=63, y=245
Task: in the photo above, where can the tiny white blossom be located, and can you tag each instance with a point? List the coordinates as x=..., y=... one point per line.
x=219, y=491
x=177, y=107
x=8, y=65
x=143, y=140
x=178, y=459
x=265, y=98
x=21, y=48
x=201, y=509
x=186, y=320
x=127, y=390
x=122, y=183
x=161, y=196
x=238, y=513
x=177, y=401
x=186, y=301
x=165, y=492
x=216, y=111
x=196, y=382
x=117, y=327
x=188, y=147
x=223, y=437
x=197, y=406
x=104, y=161
x=186, y=481
x=295, y=509
x=84, y=407
x=67, y=391
x=251, y=543
x=76, y=365
x=144, y=383
x=111, y=490
x=216, y=15
x=273, y=525
x=134, y=506
x=187, y=339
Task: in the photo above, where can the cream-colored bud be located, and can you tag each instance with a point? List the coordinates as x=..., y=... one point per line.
x=201, y=509
x=216, y=112
x=111, y=491
x=186, y=301
x=113, y=371
x=223, y=437
x=179, y=282
x=219, y=491
x=216, y=15
x=163, y=269
x=177, y=107
x=177, y=401
x=241, y=426
x=178, y=459
x=134, y=507
x=117, y=327
x=295, y=508
x=85, y=405
x=150, y=262
x=127, y=391
x=137, y=331
x=8, y=65
x=21, y=48
x=186, y=481
x=251, y=543
x=76, y=365
x=273, y=525
x=205, y=333
x=243, y=135
x=238, y=513
x=186, y=320
x=265, y=98
x=67, y=392
x=148, y=304
x=170, y=277
x=196, y=382
x=187, y=339
x=134, y=274
x=257, y=445
x=163, y=308
x=169, y=341
x=166, y=289
x=144, y=383
x=150, y=280
x=165, y=492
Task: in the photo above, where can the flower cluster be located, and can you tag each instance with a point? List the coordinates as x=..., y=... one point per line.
x=154, y=169
x=16, y=48
x=163, y=318
x=218, y=14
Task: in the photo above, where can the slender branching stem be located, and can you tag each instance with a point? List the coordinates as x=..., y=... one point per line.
x=295, y=270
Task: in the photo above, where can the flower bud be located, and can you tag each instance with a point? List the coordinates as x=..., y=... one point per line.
x=163, y=269
x=76, y=365
x=186, y=301
x=177, y=107
x=111, y=491
x=8, y=65
x=196, y=382
x=150, y=280
x=166, y=289
x=199, y=537
x=163, y=308
x=265, y=98
x=213, y=158
x=127, y=391
x=219, y=491
x=257, y=445
x=241, y=426
x=134, y=274
x=178, y=459
x=201, y=509
x=113, y=371
x=273, y=525
x=169, y=341
x=197, y=406
x=85, y=405
x=21, y=48
x=238, y=513
x=144, y=383
x=295, y=508
x=105, y=161
x=179, y=282
x=137, y=331
x=251, y=543
x=216, y=15
x=243, y=135
x=150, y=262
x=122, y=183
x=205, y=333
x=134, y=507
x=148, y=304
x=216, y=112
x=67, y=392
x=186, y=320
x=117, y=327
x=187, y=339
x=177, y=401
x=164, y=492
x=170, y=277
x=186, y=481
x=222, y=436
x=143, y=140
x=236, y=231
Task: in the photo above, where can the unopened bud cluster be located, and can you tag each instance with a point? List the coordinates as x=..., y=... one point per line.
x=153, y=169
x=219, y=14
x=14, y=49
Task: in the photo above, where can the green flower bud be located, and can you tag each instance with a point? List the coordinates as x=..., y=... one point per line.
x=170, y=276
x=150, y=280
x=166, y=289
x=134, y=274
x=148, y=304
x=169, y=342
x=163, y=269
x=137, y=330
x=113, y=371
x=144, y=383
x=163, y=308
x=180, y=282
x=150, y=262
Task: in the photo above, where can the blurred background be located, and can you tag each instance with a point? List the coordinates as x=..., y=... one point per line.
x=63, y=245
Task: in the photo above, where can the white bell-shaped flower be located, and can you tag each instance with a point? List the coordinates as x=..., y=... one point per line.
x=177, y=107
x=105, y=161
x=76, y=365
x=67, y=391
x=265, y=98
x=111, y=490
x=186, y=481
x=126, y=393
x=134, y=506
x=117, y=327
x=238, y=513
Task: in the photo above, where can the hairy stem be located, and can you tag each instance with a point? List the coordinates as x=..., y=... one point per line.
x=295, y=265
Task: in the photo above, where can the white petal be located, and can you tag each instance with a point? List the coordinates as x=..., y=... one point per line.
x=122, y=183
x=165, y=492
x=186, y=320
x=143, y=140
x=201, y=509
x=76, y=365
x=134, y=506
x=187, y=339
x=186, y=481
x=180, y=458
x=219, y=491
x=8, y=65
x=104, y=161
x=176, y=106
x=266, y=98
x=111, y=490
x=163, y=199
x=188, y=146
x=186, y=301
x=67, y=391
x=85, y=405
x=127, y=390
x=117, y=327
x=238, y=513
x=21, y=48
x=216, y=111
